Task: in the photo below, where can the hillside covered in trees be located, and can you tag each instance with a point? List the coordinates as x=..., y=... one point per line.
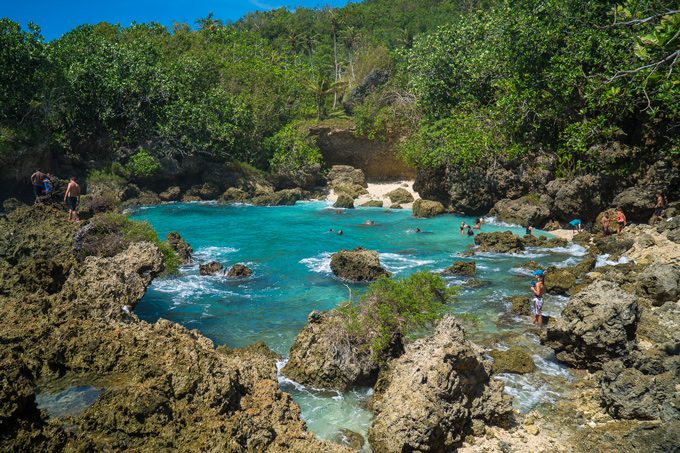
x=456, y=83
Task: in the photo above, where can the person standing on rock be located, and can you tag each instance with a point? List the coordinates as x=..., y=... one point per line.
x=620, y=220
x=37, y=181
x=71, y=198
x=605, y=224
x=538, y=289
x=658, y=207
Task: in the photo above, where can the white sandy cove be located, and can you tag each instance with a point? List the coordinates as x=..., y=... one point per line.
x=377, y=191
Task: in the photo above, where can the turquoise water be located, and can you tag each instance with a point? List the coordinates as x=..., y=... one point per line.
x=289, y=250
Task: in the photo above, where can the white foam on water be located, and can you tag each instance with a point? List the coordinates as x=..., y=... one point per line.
x=189, y=286
x=527, y=390
x=571, y=249
x=492, y=220
x=523, y=254
x=573, y=261
x=320, y=264
x=551, y=367
x=213, y=253
x=396, y=263
x=603, y=260
x=521, y=271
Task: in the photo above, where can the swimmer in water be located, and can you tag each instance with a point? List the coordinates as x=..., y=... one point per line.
x=417, y=230
x=370, y=222
x=462, y=227
x=339, y=232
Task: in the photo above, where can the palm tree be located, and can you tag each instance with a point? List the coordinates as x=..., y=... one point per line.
x=350, y=38
x=321, y=87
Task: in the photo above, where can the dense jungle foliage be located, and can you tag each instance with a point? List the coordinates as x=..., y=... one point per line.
x=466, y=82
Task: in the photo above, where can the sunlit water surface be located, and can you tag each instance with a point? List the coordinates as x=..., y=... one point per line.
x=289, y=250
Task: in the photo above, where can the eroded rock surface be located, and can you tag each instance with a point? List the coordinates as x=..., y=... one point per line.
x=523, y=211
x=429, y=397
x=358, y=265
x=180, y=246
x=427, y=208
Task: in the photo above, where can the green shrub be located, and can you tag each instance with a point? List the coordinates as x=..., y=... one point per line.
x=106, y=177
x=112, y=233
x=292, y=150
x=143, y=164
x=391, y=308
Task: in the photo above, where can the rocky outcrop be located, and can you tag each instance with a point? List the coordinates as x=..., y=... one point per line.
x=400, y=195
x=344, y=201
x=581, y=197
x=466, y=268
x=340, y=175
x=597, y=325
x=234, y=195
x=559, y=281
x=239, y=271
x=660, y=283
x=428, y=398
x=180, y=246
x=287, y=197
x=527, y=210
x=499, y=242
x=211, y=268
x=637, y=203
x=358, y=265
x=373, y=204
x=427, y=208
x=170, y=194
x=324, y=357
x=520, y=305
x=514, y=360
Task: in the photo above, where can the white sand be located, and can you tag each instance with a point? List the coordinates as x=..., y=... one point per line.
x=564, y=234
x=378, y=190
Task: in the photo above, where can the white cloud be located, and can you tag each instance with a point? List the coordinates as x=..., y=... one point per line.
x=261, y=5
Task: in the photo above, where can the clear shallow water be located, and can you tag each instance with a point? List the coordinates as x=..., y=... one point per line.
x=289, y=250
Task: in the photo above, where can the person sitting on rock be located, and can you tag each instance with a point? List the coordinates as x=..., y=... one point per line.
x=478, y=224
x=538, y=289
x=620, y=220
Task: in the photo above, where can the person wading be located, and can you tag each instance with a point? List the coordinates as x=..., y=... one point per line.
x=538, y=289
x=71, y=198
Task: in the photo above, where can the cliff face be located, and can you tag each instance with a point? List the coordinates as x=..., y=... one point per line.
x=378, y=160
x=69, y=323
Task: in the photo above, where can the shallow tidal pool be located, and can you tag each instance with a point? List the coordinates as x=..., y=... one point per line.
x=289, y=250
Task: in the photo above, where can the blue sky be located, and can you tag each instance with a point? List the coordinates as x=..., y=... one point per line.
x=55, y=17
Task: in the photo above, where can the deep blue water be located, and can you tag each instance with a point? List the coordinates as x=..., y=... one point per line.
x=289, y=250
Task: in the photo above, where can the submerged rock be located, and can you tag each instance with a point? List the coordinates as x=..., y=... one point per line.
x=239, y=271
x=358, y=265
x=514, y=360
x=344, y=201
x=323, y=357
x=400, y=195
x=467, y=268
x=597, y=325
x=180, y=246
x=210, y=268
x=353, y=440
x=427, y=208
x=428, y=397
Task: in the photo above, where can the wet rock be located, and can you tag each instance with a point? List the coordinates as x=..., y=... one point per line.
x=514, y=360
x=467, y=268
x=186, y=198
x=543, y=241
x=170, y=194
x=211, y=268
x=373, y=204
x=520, y=305
x=660, y=283
x=234, y=195
x=323, y=357
x=583, y=239
x=358, y=265
x=613, y=245
x=427, y=208
x=597, y=325
x=345, y=174
x=286, y=197
x=527, y=210
x=344, y=201
x=180, y=246
x=396, y=206
x=559, y=281
x=499, y=242
x=400, y=196
x=239, y=271
x=353, y=440
x=428, y=397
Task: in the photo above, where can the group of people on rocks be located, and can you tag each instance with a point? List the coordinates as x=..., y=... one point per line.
x=44, y=190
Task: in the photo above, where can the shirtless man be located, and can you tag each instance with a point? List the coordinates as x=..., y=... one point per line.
x=71, y=198
x=37, y=181
x=658, y=207
x=537, y=301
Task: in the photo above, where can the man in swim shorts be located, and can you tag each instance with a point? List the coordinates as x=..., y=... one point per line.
x=37, y=182
x=71, y=198
x=538, y=289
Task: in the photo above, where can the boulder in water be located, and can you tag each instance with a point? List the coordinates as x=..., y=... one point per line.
x=180, y=246
x=373, y=204
x=239, y=271
x=467, y=268
x=344, y=201
x=400, y=195
x=210, y=268
x=514, y=360
x=499, y=242
x=427, y=208
x=286, y=197
x=358, y=265
x=597, y=325
x=396, y=206
x=428, y=398
x=234, y=195
x=613, y=245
